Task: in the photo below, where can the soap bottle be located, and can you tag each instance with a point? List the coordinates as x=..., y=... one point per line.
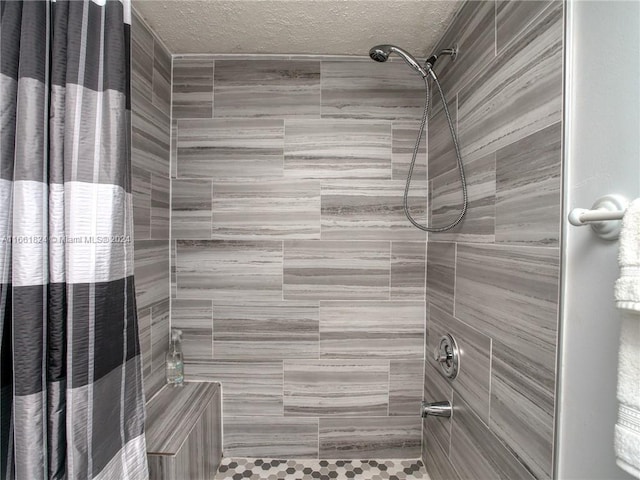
x=175, y=366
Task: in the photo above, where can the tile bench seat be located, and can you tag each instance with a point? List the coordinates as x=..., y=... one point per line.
x=184, y=432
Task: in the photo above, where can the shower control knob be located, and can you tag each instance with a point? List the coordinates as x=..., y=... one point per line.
x=447, y=355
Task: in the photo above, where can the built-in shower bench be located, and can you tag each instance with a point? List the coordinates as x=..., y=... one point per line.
x=184, y=432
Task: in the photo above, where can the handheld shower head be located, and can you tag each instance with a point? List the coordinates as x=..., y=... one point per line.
x=380, y=53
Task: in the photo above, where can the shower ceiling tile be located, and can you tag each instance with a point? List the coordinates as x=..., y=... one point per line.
x=337, y=149
x=230, y=148
x=191, y=209
x=478, y=224
x=473, y=380
x=404, y=136
x=441, y=270
x=519, y=93
x=369, y=329
x=271, y=437
x=373, y=437
x=270, y=209
x=267, y=88
x=265, y=330
x=408, y=270
x=340, y=270
x=336, y=388
x=406, y=378
x=248, y=387
x=478, y=453
x=372, y=210
x=229, y=270
x=371, y=90
x=528, y=200
x=192, y=88
x=437, y=389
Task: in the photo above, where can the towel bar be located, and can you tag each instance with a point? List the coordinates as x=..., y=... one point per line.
x=603, y=217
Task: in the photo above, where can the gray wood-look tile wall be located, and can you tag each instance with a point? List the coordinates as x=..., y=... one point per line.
x=150, y=158
x=298, y=282
x=493, y=282
x=294, y=276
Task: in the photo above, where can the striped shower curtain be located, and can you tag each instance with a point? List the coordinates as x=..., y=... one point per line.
x=72, y=404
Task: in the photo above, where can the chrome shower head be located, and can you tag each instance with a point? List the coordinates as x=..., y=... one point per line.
x=380, y=53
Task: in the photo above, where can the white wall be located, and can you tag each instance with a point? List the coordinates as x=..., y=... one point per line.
x=602, y=155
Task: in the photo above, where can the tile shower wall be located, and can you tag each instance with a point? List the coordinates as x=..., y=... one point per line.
x=493, y=281
x=151, y=129
x=296, y=279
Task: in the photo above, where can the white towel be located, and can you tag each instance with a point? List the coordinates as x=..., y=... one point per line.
x=627, y=294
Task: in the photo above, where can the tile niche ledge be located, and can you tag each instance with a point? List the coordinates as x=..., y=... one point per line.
x=182, y=423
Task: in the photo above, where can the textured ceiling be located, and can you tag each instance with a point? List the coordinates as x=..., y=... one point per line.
x=328, y=27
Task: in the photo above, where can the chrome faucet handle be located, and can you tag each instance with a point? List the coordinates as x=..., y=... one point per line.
x=448, y=356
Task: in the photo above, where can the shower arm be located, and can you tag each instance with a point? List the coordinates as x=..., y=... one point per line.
x=452, y=52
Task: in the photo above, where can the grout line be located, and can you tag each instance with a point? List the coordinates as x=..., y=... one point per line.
x=505, y=245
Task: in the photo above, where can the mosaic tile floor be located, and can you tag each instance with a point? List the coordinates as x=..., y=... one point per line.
x=268, y=469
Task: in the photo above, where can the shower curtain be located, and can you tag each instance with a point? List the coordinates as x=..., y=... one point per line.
x=72, y=403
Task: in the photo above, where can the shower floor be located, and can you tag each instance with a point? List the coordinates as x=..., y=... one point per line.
x=312, y=469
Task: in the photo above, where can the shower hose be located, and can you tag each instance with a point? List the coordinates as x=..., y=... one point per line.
x=465, y=200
